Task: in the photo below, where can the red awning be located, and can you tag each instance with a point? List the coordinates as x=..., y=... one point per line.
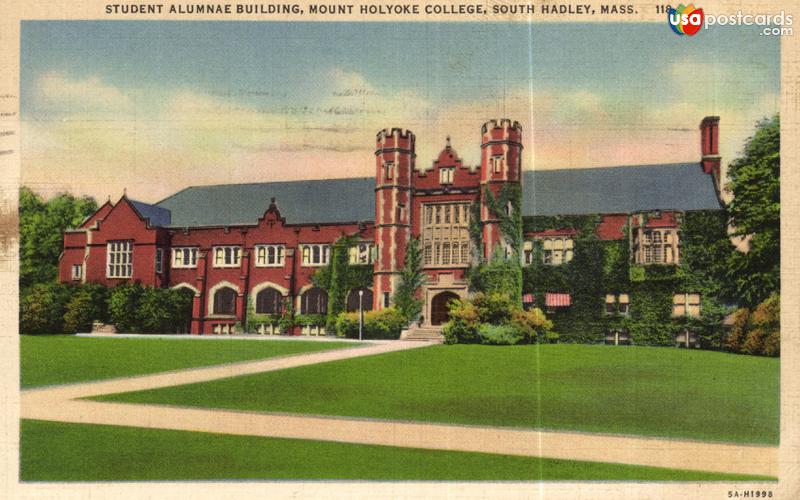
x=528, y=298
x=557, y=300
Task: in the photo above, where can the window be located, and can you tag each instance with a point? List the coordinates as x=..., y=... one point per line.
x=400, y=214
x=445, y=235
x=656, y=246
x=446, y=175
x=527, y=253
x=557, y=251
x=269, y=255
x=686, y=304
x=184, y=257
x=386, y=299
x=353, y=300
x=77, y=271
x=497, y=164
x=617, y=303
x=120, y=259
x=269, y=301
x=225, y=301
x=362, y=253
x=388, y=170
x=159, y=260
x=314, y=301
x=227, y=256
x=316, y=255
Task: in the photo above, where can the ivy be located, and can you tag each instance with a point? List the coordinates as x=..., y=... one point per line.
x=603, y=267
x=510, y=195
x=339, y=277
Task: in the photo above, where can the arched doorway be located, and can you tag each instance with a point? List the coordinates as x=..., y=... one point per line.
x=439, y=307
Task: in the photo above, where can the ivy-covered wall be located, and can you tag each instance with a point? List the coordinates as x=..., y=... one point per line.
x=604, y=267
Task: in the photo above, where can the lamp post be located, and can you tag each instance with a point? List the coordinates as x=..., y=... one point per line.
x=360, y=314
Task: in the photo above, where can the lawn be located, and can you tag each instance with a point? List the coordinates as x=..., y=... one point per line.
x=53, y=451
x=61, y=359
x=629, y=390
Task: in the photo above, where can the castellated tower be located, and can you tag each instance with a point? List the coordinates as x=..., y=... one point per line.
x=501, y=163
x=394, y=164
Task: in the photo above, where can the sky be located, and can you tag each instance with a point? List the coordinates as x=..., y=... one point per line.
x=155, y=106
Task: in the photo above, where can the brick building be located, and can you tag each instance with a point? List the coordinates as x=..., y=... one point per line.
x=259, y=244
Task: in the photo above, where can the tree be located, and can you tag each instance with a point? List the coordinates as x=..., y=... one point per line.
x=755, y=212
x=412, y=278
x=41, y=232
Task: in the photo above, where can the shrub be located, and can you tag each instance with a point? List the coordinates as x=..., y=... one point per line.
x=469, y=316
x=463, y=324
x=133, y=308
x=386, y=323
x=757, y=332
x=310, y=320
x=287, y=319
x=80, y=313
x=533, y=325
x=738, y=333
x=499, y=334
x=772, y=344
x=123, y=303
x=754, y=343
x=42, y=308
x=494, y=308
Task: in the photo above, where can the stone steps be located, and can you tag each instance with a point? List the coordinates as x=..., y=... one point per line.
x=423, y=334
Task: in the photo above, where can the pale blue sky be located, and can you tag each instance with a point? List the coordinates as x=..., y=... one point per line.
x=579, y=89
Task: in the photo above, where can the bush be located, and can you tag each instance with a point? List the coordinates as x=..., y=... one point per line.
x=533, y=326
x=88, y=304
x=470, y=318
x=133, y=308
x=42, y=308
x=386, y=323
x=499, y=334
x=757, y=333
x=123, y=304
x=738, y=333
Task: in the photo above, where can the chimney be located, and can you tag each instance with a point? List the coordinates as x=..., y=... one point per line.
x=709, y=146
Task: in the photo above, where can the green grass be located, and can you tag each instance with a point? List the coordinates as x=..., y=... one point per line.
x=52, y=451
x=59, y=359
x=630, y=390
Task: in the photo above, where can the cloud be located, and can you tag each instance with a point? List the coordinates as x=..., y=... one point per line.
x=93, y=137
x=59, y=92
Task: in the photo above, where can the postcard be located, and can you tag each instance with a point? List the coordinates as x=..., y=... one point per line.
x=415, y=249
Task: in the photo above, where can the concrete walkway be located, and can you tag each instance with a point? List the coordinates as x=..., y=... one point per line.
x=59, y=404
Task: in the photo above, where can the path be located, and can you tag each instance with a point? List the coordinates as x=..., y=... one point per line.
x=60, y=404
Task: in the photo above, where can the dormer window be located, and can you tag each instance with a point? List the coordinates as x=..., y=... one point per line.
x=446, y=175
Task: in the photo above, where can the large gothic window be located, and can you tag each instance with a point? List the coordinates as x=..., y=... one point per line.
x=314, y=301
x=445, y=235
x=268, y=301
x=225, y=301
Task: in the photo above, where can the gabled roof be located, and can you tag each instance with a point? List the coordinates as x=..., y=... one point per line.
x=155, y=215
x=678, y=186
x=299, y=202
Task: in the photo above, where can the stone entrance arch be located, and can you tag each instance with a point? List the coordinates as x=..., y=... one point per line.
x=439, y=307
